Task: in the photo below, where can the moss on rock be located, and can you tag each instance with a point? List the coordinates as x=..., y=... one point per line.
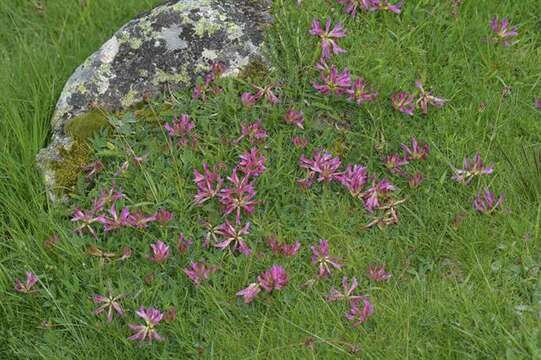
x=69, y=168
x=84, y=126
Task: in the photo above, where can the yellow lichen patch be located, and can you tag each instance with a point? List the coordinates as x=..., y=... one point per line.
x=73, y=161
x=84, y=126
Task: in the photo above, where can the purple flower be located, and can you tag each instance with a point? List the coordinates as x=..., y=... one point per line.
x=252, y=163
x=93, y=168
x=321, y=258
x=334, y=83
x=273, y=279
x=372, y=197
x=348, y=291
x=487, y=202
x=253, y=132
x=416, y=152
x=353, y=5
x=198, y=272
x=116, y=220
x=404, y=102
x=239, y=197
x=361, y=310
x=323, y=164
x=386, y=5
x=415, y=180
x=426, y=98
x=360, y=93
x=163, y=216
x=180, y=128
x=472, y=167
x=378, y=273
x=283, y=248
x=267, y=93
x=354, y=179
x=503, y=31
x=299, y=142
x=26, y=287
x=208, y=184
x=160, y=252
x=394, y=163
x=147, y=331
x=248, y=99
x=250, y=292
x=294, y=117
x=328, y=37
x=537, y=103
x=110, y=303
x=86, y=219
x=139, y=220
x=234, y=237
x=183, y=244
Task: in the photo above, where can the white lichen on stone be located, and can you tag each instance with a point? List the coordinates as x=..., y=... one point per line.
x=109, y=50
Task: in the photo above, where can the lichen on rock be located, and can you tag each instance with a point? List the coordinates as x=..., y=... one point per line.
x=164, y=50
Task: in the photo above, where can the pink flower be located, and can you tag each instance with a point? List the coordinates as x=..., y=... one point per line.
x=537, y=103
x=394, y=163
x=283, y=248
x=248, y=99
x=147, y=331
x=403, y=102
x=354, y=179
x=139, y=220
x=348, y=291
x=201, y=90
x=321, y=258
x=110, y=303
x=250, y=292
x=353, y=5
x=487, y=202
x=323, y=164
x=198, y=272
x=378, y=273
x=93, y=168
x=299, y=142
x=361, y=310
x=86, y=219
x=294, y=117
x=334, y=83
x=416, y=152
x=234, y=237
x=328, y=37
x=26, y=287
x=252, y=163
x=503, y=31
x=116, y=220
x=180, y=128
x=274, y=278
x=239, y=197
x=374, y=194
x=472, y=167
x=426, y=98
x=163, y=216
x=360, y=93
x=415, y=180
x=160, y=252
x=386, y=5
x=267, y=93
x=183, y=244
x=253, y=132
x=208, y=184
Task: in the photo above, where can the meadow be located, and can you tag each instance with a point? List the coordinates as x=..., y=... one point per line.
x=442, y=272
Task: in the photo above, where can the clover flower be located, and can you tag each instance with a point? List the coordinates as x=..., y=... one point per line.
x=299, y=142
x=26, y=287
x=138, y=220
x=416, y=151
x=353, y=5
x=283, y=248
x=348, y=291
x=208, y=184
x=198, y=272
x=323, y=164
x=274, y=278
x=361, y=310
x=239, y=197
x=328, y=37
x=354, y=179
x=252, y=163
x=394, y=163
x=109, y=303
x=180, y=128
x=386, y=5
x=486, y=202
x=537, y=103
x=86, y=220
x=321, y=258
x=504, y=32
x=183, y=244
x=415, y=180
x=378, y=273
x=472, y=168
x=404, y=102
x=374, y=195
x=233, y=237
x=294, y=117
x=360, y=93
x=334, y=83
x=147, y=331
x=248, y=99
x=160, y=252
x=254, y=132
x=163, y=216
x=426, y=98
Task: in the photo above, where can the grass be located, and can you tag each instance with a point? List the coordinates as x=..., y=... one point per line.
x=464, y=285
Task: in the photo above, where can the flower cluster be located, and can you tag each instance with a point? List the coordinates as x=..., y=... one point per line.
x=472, y=168
x=283, y=248
x=274, y=278
x=201, y=91
x=504, y=32
x=407, y=103
x=249, y=99
x=181, y=129
x=353, y=6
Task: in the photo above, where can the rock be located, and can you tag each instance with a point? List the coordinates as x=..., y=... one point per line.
x=164, y=50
